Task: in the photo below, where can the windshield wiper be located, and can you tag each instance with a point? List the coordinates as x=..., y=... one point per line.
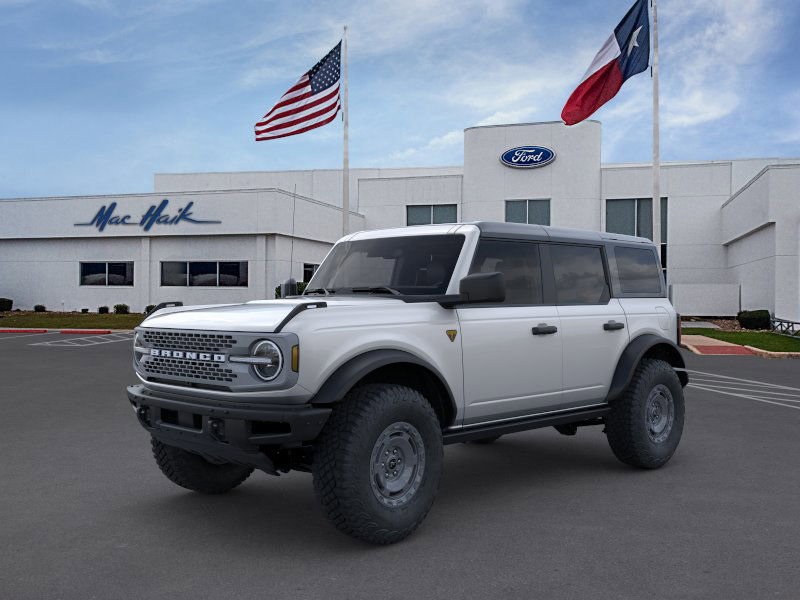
x=378, y=289
x=320, y=290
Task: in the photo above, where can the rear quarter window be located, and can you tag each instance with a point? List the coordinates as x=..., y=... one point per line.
x=638, y=271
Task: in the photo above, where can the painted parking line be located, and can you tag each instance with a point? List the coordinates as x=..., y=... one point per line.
x=92, y=340
x=717, y=376
x=748, y=389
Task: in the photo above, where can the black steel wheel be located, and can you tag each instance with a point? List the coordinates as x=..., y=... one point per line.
x=645, y=425
x=378, y=462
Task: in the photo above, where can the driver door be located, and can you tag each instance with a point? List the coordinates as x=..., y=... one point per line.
x=512, y=351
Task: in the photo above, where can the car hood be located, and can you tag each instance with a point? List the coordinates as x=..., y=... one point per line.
x=261, y=316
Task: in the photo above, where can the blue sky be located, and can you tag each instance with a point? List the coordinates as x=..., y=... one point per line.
x=97, y=95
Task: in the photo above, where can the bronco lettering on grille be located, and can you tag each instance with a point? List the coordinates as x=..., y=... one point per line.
x=204, y=356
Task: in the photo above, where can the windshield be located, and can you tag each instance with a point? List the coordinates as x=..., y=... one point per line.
x=408, y=265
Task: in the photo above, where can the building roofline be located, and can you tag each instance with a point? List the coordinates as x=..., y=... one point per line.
x=183, y=193
x=755, y=178
x=531, y=123
x=309, y=170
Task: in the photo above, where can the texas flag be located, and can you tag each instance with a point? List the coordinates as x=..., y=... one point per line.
x=625, y=53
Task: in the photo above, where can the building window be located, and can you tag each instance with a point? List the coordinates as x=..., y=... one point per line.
x=107, y=273
x=204, y=273
x=308, y=271
x=580, y=275
x=634, y=216
x=428, y=214
x=533, y=212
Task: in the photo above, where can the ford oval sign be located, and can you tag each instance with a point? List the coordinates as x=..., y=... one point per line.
x=527, y=157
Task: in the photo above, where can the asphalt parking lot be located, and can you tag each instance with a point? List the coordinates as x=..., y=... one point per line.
x=86, y=513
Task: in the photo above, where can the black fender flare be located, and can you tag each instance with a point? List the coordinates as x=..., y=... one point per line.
x=632, y=356
x=354, y=370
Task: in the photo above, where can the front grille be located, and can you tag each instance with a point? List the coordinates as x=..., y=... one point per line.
x=180, y=340
x=192, y=369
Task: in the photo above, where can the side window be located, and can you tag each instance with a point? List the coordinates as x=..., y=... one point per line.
x=638, y=271
x=579, y=274
x=519, y=264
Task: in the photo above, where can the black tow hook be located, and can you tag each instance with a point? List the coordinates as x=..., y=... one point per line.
x=143, y=413
x=216, y=427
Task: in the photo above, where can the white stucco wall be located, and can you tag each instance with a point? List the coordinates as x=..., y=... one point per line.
x=383, y=202
x=571, y=181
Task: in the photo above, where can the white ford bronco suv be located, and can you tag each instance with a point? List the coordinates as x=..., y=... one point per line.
x=406, y=340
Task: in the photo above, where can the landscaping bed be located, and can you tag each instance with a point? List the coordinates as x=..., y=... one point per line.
x=68, y=320
x=765, y=340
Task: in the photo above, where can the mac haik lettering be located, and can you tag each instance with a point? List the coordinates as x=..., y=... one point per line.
x=157, y=214
x=527, y=157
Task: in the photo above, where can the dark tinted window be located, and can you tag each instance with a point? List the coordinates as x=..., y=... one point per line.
x=93, y=273
x=203, y=273
x=519, y=264
x=579, y=274
x=638, y=271
x=120, y=273
x=233, y=274
x=420, y=264
x=173, y=273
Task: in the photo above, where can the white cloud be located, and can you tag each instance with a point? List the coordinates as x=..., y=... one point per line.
x=451, y=139
x=708, y=47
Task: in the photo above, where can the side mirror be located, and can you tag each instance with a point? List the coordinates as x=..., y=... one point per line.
x=479, y=288
x=289, y=288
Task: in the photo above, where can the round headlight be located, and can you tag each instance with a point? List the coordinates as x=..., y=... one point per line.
x=272, y=360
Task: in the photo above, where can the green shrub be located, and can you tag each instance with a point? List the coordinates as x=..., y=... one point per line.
x=301, y=287
x=149, y=308
x=84, y=310
x=122, y=309
x=103, y=310
x=6, y=304
x=754, y=319
x=39, y=308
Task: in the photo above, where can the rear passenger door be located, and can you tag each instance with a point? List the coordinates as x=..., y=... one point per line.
x=593, y=325
x=511, y=351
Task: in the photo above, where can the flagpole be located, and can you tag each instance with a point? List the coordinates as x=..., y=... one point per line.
x=656, y=145
x=346, y=156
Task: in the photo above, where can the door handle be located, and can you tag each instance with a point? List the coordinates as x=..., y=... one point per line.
x=613, y=326
x=544, y=329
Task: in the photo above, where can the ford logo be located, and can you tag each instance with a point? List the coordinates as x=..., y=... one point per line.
x=527, y=157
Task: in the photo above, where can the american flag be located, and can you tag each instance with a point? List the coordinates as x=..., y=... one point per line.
x=310, y=103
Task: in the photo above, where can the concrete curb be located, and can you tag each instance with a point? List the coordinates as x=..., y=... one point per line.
x=79, y=331
x=85, y=331
x=770, y=354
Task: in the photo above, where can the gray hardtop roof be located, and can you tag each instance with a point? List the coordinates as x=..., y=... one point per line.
x=554, y=234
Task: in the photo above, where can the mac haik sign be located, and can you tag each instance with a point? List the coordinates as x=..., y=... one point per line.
x=157, y=215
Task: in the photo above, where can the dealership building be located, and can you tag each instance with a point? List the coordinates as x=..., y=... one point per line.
x=730, y=229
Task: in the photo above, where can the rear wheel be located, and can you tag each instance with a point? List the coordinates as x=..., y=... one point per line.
x=194, y=472
x=378, y=462
x=645, y=425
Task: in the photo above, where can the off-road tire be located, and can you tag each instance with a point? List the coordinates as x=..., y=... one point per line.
x=344, y=455
x=627, y=424
x=487, y=440
x=194, y=472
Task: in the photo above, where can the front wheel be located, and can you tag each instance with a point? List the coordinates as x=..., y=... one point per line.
x=645, y=425
x=193, y=472
x=378, y=462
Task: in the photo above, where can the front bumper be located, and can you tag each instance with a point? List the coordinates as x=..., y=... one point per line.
x=227, y=431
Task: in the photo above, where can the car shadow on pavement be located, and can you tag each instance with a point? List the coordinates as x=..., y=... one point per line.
x=284, y=511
